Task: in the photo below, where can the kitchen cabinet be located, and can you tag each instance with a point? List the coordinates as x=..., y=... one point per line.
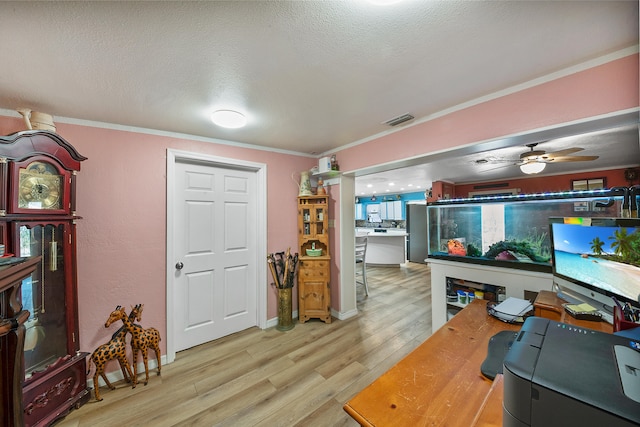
x=373, y=208
x=383, y=211
x=360, y=214
x=391, y=210
x=397, y=210
x=314, y=272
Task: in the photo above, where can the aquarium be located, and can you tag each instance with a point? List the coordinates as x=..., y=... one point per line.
x=509, y=231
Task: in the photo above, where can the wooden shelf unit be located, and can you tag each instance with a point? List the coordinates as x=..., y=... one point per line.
x=314, y=272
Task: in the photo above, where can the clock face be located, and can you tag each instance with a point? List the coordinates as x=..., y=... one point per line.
x=40, y=187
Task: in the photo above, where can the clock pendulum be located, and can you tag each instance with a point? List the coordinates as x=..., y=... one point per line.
x=53, y=251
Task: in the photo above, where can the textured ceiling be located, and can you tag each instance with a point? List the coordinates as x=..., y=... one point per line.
x=311, y=76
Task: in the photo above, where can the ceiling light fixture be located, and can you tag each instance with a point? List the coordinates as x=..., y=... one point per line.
x=228, y=119
x=383, y=2
x=532, y=167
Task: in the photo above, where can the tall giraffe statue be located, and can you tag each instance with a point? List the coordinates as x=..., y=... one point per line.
x=149, y=337
x=116, y=348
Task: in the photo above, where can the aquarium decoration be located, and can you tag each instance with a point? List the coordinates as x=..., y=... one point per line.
x=507, y=250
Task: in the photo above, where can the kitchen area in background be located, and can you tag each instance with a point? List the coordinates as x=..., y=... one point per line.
x=396, y=227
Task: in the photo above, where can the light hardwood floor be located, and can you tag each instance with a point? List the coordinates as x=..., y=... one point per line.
x=301, y=377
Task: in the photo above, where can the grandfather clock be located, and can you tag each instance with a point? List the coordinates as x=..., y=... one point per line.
x=38, y=219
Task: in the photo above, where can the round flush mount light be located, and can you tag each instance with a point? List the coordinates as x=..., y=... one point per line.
x=383, y=2
x=228, y=119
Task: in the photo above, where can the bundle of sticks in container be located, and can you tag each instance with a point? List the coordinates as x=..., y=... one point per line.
x=283, y=268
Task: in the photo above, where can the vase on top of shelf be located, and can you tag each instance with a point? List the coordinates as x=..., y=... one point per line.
x=304, y=186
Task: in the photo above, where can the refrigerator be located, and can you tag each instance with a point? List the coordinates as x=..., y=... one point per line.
x=417, y=229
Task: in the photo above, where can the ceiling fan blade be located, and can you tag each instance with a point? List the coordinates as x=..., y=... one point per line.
x=561, y=153
x=573, y=159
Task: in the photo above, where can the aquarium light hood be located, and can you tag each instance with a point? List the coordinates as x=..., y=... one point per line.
x=524, y=197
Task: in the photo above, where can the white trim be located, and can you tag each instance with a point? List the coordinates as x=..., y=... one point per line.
x=347, y=231
x=115, y=376
x=261, y=267
x=156, y=132
x=273, y=322
x=344, y=315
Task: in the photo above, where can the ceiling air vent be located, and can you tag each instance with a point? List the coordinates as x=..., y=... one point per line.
x=398, y=120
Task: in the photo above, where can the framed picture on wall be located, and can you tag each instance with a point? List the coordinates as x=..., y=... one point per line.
x=587, y=185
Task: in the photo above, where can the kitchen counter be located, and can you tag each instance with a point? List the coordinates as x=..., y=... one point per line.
x=386, y=248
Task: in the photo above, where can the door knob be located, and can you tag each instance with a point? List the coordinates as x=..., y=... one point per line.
x=179, y=265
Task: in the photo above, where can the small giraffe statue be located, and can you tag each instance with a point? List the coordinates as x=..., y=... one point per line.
x=141, y=340
x=116, y=348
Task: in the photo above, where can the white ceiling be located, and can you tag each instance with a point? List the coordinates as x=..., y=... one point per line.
x=311, y=76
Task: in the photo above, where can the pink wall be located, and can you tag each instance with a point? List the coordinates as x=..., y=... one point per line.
x=121, y=187
x=122, y=236
x=607, y=88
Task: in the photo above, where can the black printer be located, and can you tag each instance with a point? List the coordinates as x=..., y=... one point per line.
x=557, y=374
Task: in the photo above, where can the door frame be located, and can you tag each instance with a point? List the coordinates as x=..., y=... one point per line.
x=260, y=169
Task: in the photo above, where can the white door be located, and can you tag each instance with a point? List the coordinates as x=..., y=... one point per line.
x=215, y=243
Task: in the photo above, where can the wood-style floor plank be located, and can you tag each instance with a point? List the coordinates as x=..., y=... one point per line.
x=300, y=377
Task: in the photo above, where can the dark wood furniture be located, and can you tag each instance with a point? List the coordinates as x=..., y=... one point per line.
x=439, y=383
x=38, y=219
x=12, y=332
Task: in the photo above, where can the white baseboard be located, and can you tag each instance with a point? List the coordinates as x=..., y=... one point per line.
x=344, y=315
x=116, y=376
x=273, y=322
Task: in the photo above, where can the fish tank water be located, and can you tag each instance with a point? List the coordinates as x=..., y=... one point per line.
x=508, y=231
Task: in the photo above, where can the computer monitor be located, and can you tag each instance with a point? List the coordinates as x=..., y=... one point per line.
x=595, y=259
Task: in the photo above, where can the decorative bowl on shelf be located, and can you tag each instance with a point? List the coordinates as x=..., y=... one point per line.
x=314, y=252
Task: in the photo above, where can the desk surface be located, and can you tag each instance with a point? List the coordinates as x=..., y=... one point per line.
x=439, y=383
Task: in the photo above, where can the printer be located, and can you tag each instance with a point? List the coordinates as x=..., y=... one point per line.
x=557, y=374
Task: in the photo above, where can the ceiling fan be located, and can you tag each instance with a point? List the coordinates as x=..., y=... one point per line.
x=534, y=161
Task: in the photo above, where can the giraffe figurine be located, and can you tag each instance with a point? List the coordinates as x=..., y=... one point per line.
x=150, y=337
x=122, y=334
x=116, y=348
x=139, y=342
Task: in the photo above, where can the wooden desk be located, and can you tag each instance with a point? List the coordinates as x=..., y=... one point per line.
x=440, y=383
x=549, y=306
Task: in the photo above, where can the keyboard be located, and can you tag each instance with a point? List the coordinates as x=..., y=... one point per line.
x=607, y=317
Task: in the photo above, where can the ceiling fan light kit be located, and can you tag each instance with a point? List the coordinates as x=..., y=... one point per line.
x=534, y=161
x=532, y=167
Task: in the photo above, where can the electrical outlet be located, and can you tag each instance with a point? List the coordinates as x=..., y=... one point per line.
x=332, y=223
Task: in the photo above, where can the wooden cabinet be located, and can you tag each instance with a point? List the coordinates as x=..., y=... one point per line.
x=314, y=272
x=12, y=331
x=38, y=219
